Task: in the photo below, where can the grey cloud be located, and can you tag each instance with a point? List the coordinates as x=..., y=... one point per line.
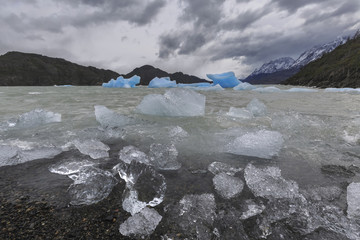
x=191, y=43
x=293, y=5
x=168, y=44
x=244, y=20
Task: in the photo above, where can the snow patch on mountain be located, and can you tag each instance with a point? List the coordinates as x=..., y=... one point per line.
x=275, y=66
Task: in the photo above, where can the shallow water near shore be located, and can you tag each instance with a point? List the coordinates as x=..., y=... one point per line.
x=294, y=160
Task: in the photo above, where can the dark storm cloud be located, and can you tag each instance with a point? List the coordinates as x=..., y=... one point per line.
x=168, y=44
x=293, y=5
x=244, y=20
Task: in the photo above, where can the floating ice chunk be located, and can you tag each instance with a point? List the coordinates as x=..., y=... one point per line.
x=108, y=118
x=267, y=90
x=354, y=90
x=268, y=182
x=240, y=113
x=257, y=108
x=194, y=85
x=90, y=186
x=244, y=86
x=353, y=200
x=261, y=144
x=93, y=148
x=220, y=167
x=164, y=82
x=253, y=209
x=36, y=118
x=174, y=103
x=141, y=224
x=163, y=156
x=131, y=153
x=225, y=80
x=70, y=167
x=227, y=186
x=216, y=87
x=301, y=90
x=122, y=82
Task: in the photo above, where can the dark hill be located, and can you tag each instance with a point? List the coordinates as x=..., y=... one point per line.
x=271, y=78
x=147, y=73
x=25, y=69
x=339, y=68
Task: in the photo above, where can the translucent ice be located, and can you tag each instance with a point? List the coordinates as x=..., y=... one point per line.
x=163, y=156
x=177, y=134
x=220, y=167
x=267, y=90
x=353, y=200
x=225, y=80
x=70, y=167
x=131, y=153
x=94, y=148
x=244, y=86
x=253, y=209
x=239, y=113
x=90, y=186
x=131, y=202
x=257, y=108
x=122, y=82
x=108, y=118
x=227, y=186
x=141, y=224
x=268, y=182
x=174, y=103
x=301, y=90
x=262, y=144
x=37, y=118
x=164, y=82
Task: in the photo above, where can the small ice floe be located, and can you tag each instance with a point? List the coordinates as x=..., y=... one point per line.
x=353, y=199
x=109, y=119
x=174, y=103
x=163, y=82
x=261, y=144
x=122, y=82
x=268, y=182
x=220, y=167
x=257, y=108
x=225, y=80
x=34, y=119
x=90, y=186
x=141, y=224
x=241, y=113
x=305, y=90
x=244, y=86
x=93, y=148
x=227, y=186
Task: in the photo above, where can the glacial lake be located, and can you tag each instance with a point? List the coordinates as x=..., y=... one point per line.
x=255, y=165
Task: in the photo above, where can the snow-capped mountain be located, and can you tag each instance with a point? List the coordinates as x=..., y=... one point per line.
x=317, y=51
x=274, y=66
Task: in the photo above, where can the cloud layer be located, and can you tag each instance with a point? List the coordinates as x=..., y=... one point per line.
x=195, y=36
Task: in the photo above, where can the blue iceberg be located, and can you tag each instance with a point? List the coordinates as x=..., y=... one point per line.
x=164, y=82
x=225, y=80
x=122, y=82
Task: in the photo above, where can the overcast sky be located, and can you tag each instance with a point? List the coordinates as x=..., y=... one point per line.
x=193, y=36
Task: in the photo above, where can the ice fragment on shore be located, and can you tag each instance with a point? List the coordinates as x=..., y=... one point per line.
x=253, y=209
x=131, y=153
x=174, y=103
x=163, y=156
x=163, y=82
x=122, y=82
x=93, y=148
x=227, y=186
x=90, y=186
x=108, y=118
x=131, y=202
x=257, y=108
x=353, y=200
x=262, y=144
x=268, y=182
x=197, y=209
x=225, y=80
x=220, y=167
x=70, y=167
x=141, y=224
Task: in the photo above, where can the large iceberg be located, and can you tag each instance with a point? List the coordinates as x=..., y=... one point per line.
x=122, y=82
x=164, y=82
x=225, y=80
x=174, y=103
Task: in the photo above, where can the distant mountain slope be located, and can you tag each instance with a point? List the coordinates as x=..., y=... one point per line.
x=25, y=69
x=147, y=73
x=339, y=68
x=279, y=70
